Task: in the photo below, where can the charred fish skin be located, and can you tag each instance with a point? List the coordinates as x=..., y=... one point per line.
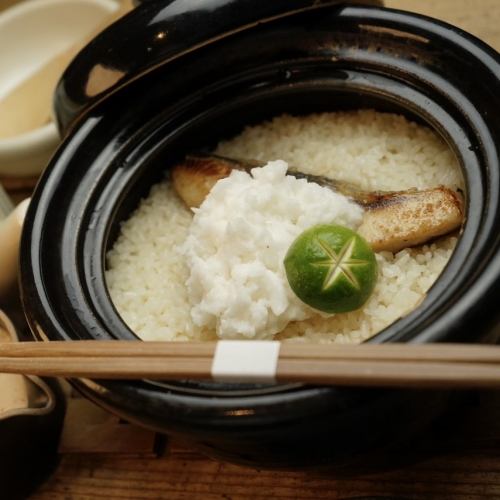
x=196, y=176
x=212, y=168
x=393, y=220
x=409, y=220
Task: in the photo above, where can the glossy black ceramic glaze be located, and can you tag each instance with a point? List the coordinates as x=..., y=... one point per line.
x=323, y=59
x=157, y=33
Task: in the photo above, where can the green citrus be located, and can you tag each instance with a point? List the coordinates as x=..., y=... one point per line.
x=331, y=268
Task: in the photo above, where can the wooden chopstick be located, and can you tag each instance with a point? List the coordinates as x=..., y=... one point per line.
x=387, y=365
x=345, y=373
x=483, y=353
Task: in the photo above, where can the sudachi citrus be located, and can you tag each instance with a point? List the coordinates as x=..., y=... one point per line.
x=331, y=268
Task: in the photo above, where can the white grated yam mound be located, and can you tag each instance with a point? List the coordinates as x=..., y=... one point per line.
x=236, y=246
x=147, y=273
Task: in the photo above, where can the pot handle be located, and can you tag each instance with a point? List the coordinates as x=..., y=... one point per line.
x=153, y=34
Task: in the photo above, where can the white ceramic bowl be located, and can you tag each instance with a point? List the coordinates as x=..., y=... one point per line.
x=32, y=33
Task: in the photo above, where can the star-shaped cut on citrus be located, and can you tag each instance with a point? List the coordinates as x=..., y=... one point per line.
x=340, y=264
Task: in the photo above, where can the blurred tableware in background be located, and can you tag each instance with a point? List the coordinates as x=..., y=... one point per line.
x=42, y=37
x=39, y=38
x=10, y=234
x=31, y=413
x=20, y=394
x=31, y=409
x=6, y=205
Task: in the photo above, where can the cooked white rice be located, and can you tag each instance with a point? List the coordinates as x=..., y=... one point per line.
x=236, y=245
x=147, y=274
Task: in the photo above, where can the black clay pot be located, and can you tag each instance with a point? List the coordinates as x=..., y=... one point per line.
x=170, y=78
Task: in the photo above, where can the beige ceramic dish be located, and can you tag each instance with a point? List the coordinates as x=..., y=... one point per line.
x=41, y=37
x=19, y=394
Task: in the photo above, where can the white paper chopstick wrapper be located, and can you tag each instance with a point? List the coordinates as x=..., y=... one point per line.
x=245, y=361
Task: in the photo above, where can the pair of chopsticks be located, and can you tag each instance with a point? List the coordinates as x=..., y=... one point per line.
x=386, y=365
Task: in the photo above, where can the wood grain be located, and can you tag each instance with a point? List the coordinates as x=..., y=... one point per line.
x=187, y=476
x=466, y=468
x=464, y=464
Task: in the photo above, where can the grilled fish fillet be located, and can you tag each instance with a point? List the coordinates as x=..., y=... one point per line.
x=392, y=220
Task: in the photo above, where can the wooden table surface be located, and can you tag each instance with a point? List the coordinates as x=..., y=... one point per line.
x=467, y=468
